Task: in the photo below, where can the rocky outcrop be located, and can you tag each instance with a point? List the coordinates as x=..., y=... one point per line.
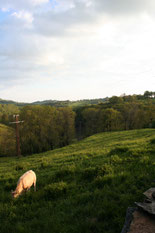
x=142, y=218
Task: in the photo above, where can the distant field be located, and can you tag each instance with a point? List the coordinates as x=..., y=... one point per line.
x=82, y=188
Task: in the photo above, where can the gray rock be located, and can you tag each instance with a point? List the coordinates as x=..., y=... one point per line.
x=149, y=204
x=128, y=219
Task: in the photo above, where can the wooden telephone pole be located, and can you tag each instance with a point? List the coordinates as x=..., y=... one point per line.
x=17, y=134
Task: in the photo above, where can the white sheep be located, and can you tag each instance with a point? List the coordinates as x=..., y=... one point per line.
x=24, y=183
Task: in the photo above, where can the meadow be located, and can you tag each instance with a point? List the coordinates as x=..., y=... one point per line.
x=85, y=187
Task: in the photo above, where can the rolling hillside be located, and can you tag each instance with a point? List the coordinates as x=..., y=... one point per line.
x=82, y=188
x=58, y=103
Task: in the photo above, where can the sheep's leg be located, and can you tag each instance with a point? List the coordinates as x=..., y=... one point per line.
x=26, y=189
x=35, y=186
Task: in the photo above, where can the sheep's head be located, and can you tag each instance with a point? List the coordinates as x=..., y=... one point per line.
x=14, y=194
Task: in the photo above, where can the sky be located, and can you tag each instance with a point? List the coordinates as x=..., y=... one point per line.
x=76, y=49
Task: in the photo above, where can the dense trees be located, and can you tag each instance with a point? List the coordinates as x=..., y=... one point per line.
x=120, y=113
x=149, y=94
x=7, y=141
x=46, y=127
x=98, y=120
x=6, y=112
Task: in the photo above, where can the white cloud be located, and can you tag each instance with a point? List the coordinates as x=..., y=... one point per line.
x=68, y=14
x=23, y=15
x=71, y=49
x=63, y=18
x=5, y=9
x=21, y=4
x=38, y=2
x=123, y=7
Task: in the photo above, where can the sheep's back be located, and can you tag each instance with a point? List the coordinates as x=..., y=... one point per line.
x=27, y=179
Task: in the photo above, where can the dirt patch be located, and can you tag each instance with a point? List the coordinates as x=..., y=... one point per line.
x=142, y=223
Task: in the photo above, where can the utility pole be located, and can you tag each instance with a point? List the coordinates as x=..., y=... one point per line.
x=17, y=134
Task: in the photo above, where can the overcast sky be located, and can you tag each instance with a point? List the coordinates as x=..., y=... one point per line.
x=76, y=49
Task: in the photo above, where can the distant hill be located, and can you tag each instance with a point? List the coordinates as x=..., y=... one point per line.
x=12, y=102
x=57, y=103
x=83, y=102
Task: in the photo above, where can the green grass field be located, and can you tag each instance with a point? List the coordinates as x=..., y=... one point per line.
x=82, y=188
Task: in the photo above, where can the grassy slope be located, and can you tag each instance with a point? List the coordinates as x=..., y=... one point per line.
x=85, y=187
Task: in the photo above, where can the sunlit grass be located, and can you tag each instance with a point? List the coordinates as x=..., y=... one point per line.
x=84, y=187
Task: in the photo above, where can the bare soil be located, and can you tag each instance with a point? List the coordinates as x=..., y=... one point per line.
x=142, y=223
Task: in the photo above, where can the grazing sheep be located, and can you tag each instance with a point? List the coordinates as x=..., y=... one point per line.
x=24, y=183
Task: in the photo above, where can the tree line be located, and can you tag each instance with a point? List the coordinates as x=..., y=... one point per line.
x=119, y=113
x=46, y=127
